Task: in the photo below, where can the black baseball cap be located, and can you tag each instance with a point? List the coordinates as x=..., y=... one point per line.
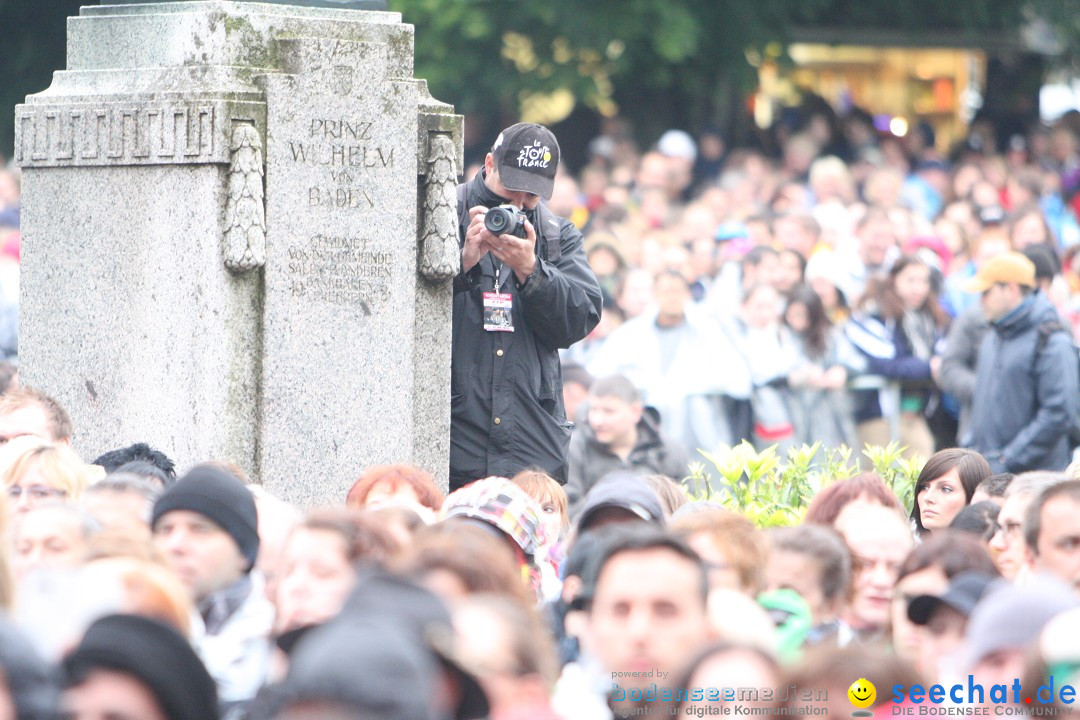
x=383, y=597
x=623, y=490
x=364, y=664
x=963, y=594
x=527, y=156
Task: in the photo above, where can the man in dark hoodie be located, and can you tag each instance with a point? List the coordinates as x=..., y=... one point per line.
x=620, y=434
x=1025, y=399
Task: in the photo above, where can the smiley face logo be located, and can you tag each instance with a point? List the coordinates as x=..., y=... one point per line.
x=862, y=693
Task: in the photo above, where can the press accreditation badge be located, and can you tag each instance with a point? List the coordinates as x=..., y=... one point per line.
x=498, y=312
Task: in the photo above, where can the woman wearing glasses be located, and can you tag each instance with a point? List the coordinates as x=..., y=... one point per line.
x=34, y=472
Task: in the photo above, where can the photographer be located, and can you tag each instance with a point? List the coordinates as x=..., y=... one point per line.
x=527, y=264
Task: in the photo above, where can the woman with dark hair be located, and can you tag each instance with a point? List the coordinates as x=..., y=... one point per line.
x=791, y=270
x=820, y=407
x=945, y=486
x=897, y=327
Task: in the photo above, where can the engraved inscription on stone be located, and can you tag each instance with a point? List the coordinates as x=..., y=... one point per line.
x=340, y=271
x=114, y=134
x=351, y=156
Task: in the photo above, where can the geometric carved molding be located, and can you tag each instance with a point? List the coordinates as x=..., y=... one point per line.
x=125, y=133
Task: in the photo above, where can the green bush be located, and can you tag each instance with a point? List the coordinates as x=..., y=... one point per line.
x=771, y=491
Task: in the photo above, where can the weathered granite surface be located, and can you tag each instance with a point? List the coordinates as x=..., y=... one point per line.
x=239, y=234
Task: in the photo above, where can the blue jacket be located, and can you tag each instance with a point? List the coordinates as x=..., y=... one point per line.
x=1025, y=401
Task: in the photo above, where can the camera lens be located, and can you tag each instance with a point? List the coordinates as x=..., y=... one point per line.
x=497, y=220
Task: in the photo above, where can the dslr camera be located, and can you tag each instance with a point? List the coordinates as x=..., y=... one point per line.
x=505, y=220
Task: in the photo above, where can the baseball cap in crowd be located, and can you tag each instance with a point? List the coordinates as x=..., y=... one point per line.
x=931, y=249
x=991, y=215
x=1010, y=267
x=1012, y=616
x=371, y=666
x=154, y=653
x=677, y=143
x=731, y=230
x=381, y=596
x=527, y=156
x=624, y=491
x=963, y=594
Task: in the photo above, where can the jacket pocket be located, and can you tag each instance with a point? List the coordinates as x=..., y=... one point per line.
x=543, y=440
x=551, y=385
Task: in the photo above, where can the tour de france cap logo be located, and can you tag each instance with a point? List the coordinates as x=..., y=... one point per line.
x=862, y=694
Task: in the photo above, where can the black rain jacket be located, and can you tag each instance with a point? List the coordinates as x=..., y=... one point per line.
x=507, y=409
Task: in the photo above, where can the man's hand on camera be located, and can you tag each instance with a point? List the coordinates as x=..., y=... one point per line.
x=475, y=246
x=518, y=253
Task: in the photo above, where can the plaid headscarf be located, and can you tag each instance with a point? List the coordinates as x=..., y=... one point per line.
x=498, y=501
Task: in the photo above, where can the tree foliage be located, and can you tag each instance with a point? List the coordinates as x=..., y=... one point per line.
x=33, y=42
x=676, y=62
x=661, y=63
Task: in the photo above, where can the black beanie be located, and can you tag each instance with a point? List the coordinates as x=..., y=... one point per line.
x=154, y=653
x=216, y=493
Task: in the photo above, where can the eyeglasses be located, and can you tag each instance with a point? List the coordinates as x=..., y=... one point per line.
x=1009, y=529
x=34, y=492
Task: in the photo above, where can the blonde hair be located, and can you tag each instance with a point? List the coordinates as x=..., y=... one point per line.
x=543, y=488
x=57, y=463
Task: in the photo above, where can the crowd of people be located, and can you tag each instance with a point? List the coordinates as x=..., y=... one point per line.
x=830, y=294
x=129, y=592
x=855, y=286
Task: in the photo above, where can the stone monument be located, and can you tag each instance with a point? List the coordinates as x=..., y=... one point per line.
x=239, y=237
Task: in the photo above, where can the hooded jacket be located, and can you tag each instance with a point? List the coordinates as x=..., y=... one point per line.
x=1025, y=400
x=591, y=460
x=507, y=409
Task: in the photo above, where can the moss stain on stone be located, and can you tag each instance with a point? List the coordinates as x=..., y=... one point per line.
x=255, y=49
